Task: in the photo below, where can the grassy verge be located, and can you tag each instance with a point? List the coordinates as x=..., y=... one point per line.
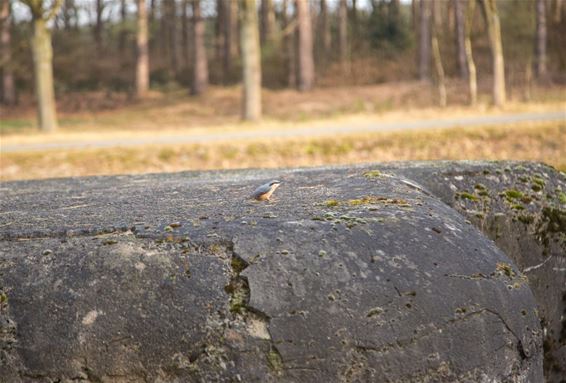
x=98, y=112
x=536, y=141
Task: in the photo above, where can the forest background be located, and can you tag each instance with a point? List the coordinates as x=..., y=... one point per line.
x=245, y=83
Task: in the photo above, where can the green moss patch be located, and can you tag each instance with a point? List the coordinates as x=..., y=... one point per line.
x=331, y=203
x=372, y=174
x=505, y=269
x=556, y=219
x=467, y=196
x=539, y=181
x=513, y=194
x=275, y=361
x=372, y=200
x=526, y=218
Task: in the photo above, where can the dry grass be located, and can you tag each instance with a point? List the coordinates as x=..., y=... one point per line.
x=535, y=141
x=101, y=116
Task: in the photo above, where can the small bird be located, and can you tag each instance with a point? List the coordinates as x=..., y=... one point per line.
x=263, y=192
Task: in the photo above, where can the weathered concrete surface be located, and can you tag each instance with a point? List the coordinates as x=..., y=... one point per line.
x=348, y=275
x=522, y=207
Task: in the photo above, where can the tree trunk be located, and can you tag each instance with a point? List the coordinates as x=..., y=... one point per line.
x=42, y=53
x=472, y=81
x=219, y=26
x=163, y=36
x=424, y=40
x=8, y=87
x=230, y=11
x=343, y=31
x=540, y=48
x=415, y=18
x=439, y=71
x=142, y=61
x=267, y=21
x=43, y=70
x=172, y=22
x=289, y=43
x=306, y=62
x=395, y=8
x=226, y=11
x=123, y=32
x=414, y=14
x=152, y=7
x=200, y=63
x=436, y=14
x=528, y=79
x=236, y=28
x=324, y=29
x=437, y=58
x=185, y=33
x=494, y=33
x=558, y=11
x=251, y=62
x=69, y=12
x=354, y=11
x=354, y=22
x=450, y=16
x=169, y=35
x=98, y=25
x=460, y=37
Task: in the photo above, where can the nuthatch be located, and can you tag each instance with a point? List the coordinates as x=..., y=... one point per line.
x=263, y=192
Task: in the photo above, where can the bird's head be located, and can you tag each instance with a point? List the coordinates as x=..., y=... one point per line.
x=274, y=184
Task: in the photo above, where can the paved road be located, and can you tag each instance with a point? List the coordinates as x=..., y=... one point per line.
x=328, y=130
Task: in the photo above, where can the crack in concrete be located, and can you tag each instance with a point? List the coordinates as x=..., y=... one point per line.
x=472, y=277
x=503, y=272
x=406, y=342
x=240, y=292
x=498, y=315
x=69, y=233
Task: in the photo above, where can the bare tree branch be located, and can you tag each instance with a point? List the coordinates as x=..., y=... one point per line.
x=54, y=9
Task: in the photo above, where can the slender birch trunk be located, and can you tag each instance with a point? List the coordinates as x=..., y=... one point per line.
x=472, y=80
x=98, y=25
x=123, y=32
x=251, y=62
x=142, y=52
x=494, y=33
x=200, y=62
x=289, y=45
x=437, y=58
x=185, y=33
x=8, y=86
x=230, y=13
x=325, y=36
x=540, y=48
x=459, y=18
x=343, y=31
x=305, y=49
x=558, y=11
x=424, y=40
x=267, y=21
